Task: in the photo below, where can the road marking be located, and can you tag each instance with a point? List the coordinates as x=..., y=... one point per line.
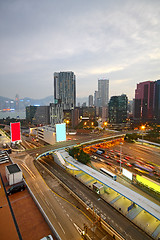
x=61, y=227
x=53, y=213
x=78, y=229
x=29, y=171
x=41, y=192
x=47, y=202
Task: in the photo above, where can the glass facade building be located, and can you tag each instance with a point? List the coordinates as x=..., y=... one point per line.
x=157, y=101
x=117, y=109
x=147, y=101
x=65, y=89
x=103, y=89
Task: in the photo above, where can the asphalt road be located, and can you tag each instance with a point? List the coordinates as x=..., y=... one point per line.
x=118, y=221
x=61, y=221
x=47, y=199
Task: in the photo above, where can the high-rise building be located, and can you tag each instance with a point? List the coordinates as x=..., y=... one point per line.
x=56, y=113
x=157, y=101
x=90, y=101
x=144, y=101
x=103, y=89
x=65, y=89
x=96, y=99
x=118, y=109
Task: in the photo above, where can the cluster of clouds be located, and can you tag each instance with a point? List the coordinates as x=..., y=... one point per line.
x=117, y=39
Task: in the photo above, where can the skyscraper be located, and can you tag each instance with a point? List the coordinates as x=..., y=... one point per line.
x=96, y=99
x=157, y=101
x=90, y=101
x=118, y=109
x=103, y=89
x=144, y=101
x=65, y=89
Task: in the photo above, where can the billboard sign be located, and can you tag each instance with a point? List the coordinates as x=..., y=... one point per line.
x=61, y=132
x=127, y=174
x=15, y=131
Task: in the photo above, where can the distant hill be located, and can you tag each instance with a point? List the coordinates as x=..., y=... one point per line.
x=23, y=102
x=5, y=99
x=41, y=102
x=10, y=103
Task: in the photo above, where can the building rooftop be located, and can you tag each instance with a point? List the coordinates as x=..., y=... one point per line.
x=13, y=168
x=9, y=228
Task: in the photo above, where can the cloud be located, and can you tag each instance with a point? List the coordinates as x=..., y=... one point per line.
x=112, y=39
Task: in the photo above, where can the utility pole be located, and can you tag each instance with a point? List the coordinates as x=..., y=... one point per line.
x=120, y=155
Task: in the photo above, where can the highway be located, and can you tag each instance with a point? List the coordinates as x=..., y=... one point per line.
x=108, y=213
x=47, y=199
x=67, y=219
x=66, y=228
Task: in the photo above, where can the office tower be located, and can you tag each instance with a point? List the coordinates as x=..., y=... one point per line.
x=103, y=89
x=56, y=113
x=97, y=101
x=65, y=89
x=157, y=101
x=90, y=101
x=144, y=101
x=118, y=109
x=75, y=117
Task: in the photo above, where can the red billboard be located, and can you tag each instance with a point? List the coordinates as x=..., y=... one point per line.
x=15, y=131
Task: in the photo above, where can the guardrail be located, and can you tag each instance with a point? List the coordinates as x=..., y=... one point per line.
x=56, y=236
x=104, y=225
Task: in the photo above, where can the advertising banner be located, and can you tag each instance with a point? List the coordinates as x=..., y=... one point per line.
x=15, y=131
x=61, y=132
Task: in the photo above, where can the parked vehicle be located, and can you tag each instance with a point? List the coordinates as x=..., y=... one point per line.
x=16, y=188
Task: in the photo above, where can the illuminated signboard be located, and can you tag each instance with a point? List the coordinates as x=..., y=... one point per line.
x=126, y=173
x=61, y=132
x=148, y=183
x=15, y=132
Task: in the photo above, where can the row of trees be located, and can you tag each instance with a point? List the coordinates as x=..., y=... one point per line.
x=79, y=154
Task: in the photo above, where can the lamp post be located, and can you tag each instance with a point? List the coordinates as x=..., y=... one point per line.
x=67, y=122
x=105, y=124
x=120, y=155
x=142, y=128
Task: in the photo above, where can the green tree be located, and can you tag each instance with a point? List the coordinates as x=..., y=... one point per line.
x=79, y=154
x=83, y=157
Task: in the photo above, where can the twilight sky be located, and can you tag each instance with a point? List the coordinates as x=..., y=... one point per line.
x=119, y=40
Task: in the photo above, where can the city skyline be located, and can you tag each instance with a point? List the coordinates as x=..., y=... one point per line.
x=95, y=40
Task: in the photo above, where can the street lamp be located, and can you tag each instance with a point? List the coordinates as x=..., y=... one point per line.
x=120, y=155
x=142, y=128
x=67, y=123
x=105, y=124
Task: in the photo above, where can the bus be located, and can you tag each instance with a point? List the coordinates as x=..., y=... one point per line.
x=109, y=174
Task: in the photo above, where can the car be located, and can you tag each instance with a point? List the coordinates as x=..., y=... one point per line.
x=128, y=164
x=108, y=163
x=16, y=188
x=124, y=160
x=49, y=237
x=119, y=161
